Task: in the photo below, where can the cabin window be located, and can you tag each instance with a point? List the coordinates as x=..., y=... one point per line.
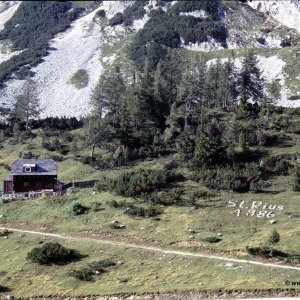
x=27, y=169
x=38, y=183
x=26, y=183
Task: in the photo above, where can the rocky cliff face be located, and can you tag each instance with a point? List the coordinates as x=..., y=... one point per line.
x=286, y=12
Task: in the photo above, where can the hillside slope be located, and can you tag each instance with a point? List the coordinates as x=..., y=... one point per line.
x=80, y=48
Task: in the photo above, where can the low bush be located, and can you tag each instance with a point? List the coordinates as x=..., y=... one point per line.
x=226, y=178
x=101, y=264
x=211, y=239
x=275, y=165
x=79, y=209
x=265, y=251
x=95, y=268
x=136, y=182
x=296, y=181
x=4, y=233
x=258, y=185
x=146, y=212
x=135, y=210
x=84, y=274
x=80, y=79
x=52, y=253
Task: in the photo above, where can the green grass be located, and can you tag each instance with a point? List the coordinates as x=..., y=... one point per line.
x=139, y=272
x=213, y=217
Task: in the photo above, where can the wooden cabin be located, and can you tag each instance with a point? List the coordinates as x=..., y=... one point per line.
x=32, y=175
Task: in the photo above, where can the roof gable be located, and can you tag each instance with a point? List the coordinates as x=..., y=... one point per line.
x=42, y=167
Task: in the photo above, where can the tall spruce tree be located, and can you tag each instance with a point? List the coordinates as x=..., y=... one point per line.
x=251, y=81
x=108, y=95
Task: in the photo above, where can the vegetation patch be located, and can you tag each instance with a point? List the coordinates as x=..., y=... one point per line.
x=80, y=79
x=52, y=253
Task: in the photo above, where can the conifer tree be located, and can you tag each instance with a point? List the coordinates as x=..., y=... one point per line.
x=251, y=83
x=27, y=106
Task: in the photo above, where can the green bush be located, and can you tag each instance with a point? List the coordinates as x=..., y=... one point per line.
x=257, y=185
x=5, y=232
x=226, y=178
x=146, y=212
x=211, y=239
x=296, y=181
x=84, y=274
x=79, y=209
x=101, y=264
x=52, y=253
x=80, y=79
x=136, y=182
x=134, y=210
x=93, y=268
x=276, y=165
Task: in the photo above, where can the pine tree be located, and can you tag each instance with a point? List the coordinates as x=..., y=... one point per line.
x=96, y=133
x=251, y=83
x=27, y=105
x=274, y=237
x=108, y=94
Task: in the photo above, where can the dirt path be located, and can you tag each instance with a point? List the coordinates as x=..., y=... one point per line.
x=156, y=249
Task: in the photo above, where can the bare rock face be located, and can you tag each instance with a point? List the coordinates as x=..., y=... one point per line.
x=287, y=12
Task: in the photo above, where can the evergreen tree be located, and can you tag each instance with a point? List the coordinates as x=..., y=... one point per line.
x=27, y=105
x=125, y=130
x=274, y=237
x=96, y=133
x=251, y=82
x=186, y=146
x=108, y=95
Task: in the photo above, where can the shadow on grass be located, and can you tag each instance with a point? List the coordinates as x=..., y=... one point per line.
x=4, y=289
x=83, y=184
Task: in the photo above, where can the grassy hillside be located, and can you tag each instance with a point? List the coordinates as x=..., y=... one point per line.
x=144, y=271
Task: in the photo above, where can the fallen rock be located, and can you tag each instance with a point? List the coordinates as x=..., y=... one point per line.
x=273, y=221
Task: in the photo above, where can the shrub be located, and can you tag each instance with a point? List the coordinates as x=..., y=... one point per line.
x=84, y=274
x=146, y=212
x=52, y=253
x=296, y=181
x=94, y=268
x=211, y=239
x=117, y=19
x=134, y=183
x=101, y=13
x=80, y=79
x=275, y=164
x=226, y=178
x=79, y=209
x=101, y=264
x=274, y=237
x=257, y=185
x=5, y=232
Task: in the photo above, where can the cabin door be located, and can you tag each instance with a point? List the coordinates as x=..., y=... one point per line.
x=9, y=186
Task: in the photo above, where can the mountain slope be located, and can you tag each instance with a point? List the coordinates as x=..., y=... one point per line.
x=84, y=46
